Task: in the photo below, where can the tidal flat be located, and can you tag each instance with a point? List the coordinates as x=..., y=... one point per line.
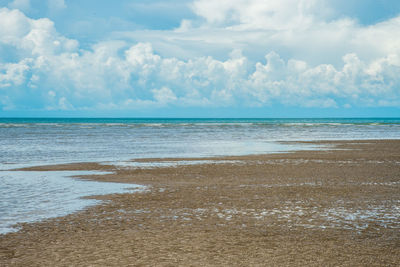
x=339, y=206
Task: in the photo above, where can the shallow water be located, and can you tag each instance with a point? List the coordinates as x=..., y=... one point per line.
x=32, y=196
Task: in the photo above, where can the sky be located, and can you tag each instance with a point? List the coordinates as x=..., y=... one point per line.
x=200, y=58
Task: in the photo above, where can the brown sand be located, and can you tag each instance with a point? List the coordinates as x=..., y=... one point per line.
x=336, y=207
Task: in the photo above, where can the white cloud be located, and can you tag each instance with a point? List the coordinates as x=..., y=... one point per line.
x=34, y=37
x=53, y=71
x=164, y=95
x=14, y=74
x=320, y=42
x=259, y=14
x=97, y=77
x=14, y=26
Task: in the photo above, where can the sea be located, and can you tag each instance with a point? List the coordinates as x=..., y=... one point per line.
x=34, y=196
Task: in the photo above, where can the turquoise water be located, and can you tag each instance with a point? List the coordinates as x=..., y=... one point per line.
x=204, y=120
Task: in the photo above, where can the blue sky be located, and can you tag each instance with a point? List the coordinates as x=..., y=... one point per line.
x=200, y=58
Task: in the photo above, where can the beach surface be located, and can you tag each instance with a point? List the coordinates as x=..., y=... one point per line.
x=339, y=206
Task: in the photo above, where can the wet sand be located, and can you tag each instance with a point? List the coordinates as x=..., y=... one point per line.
x=336, y=207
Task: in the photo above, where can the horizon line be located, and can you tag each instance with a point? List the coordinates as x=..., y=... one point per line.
x=217, y=117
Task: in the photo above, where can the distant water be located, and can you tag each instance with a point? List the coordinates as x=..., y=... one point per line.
x=31, y=196
x=45, y=141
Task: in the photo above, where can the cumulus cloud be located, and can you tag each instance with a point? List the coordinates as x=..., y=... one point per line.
x=311, y=30
x=33, y=37
x=272, y=14
x=52, y=72
x=311, y=37
x=14, y=74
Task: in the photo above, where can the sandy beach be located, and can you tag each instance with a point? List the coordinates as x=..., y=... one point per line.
x=339, y=206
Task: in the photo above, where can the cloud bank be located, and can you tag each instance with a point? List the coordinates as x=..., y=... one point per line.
x=309, y=61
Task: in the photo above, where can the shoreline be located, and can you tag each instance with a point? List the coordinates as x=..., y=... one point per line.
x=335, y=206
x=320, y=145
